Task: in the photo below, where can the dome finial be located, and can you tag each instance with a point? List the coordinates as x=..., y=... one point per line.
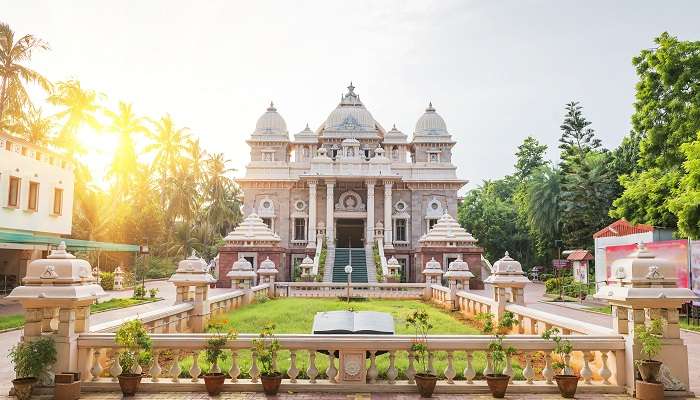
x=351, y=88
x=272, y=106
x=430, y=107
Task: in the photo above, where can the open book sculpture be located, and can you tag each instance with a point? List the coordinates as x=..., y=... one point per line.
x=349, y=322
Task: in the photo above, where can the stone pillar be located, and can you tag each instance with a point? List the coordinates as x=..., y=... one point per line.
x=330, y=207
x=201, y=309
x=388, y=223
x=66, y=341
x=370, y=211
x=311, y=228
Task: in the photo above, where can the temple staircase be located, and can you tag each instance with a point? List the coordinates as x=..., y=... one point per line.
x=358, y=262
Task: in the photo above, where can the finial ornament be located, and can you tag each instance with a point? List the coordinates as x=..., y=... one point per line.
x=351, y=87
x=49, y=273
x=430, y=107
x=507, y=255
x=272, y=107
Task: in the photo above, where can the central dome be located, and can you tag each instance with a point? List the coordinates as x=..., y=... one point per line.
x=350, y=115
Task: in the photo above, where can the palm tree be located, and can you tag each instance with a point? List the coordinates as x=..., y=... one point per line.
x=169, y=143
x=125, y=124
x=543, y=202
x=13, y=75
x=217, y=187
x=36, y=128
x=78, y=108
x=196, y=157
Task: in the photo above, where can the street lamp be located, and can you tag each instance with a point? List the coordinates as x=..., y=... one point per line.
x=348, y=270
x=143, y=249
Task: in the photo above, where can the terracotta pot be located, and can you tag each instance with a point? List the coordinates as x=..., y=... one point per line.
x=649, y=370
x=23, y=387
x=129, y=383
x=271, y=383
x=498, y=384
x=567, y=385
x=214, y=383
x=426, y=384
x=649, y=391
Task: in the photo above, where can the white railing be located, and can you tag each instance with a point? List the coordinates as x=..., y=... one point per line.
x=309, y=362
x=173, y=319
x=336, y=289
x=317, y=255
x=382, y=257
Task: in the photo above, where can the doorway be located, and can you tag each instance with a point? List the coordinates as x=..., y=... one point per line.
x=350, y=232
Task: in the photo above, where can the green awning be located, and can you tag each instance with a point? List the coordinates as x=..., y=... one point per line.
x=73, y=244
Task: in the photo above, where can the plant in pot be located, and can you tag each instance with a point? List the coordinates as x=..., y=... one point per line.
x=267, y=347
x=32, y=361
x=425, y=380
x=566, y=380
x=133, y=336
x=649, y=338
x=497, y=380
x=214, y=379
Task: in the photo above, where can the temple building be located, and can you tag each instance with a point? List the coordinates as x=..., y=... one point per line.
x=346, y=188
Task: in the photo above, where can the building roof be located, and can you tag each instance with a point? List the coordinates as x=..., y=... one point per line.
x=447, y=230
x=351, y=115
x=74, y=244
x=430, y=124
x=580, y=255
x=252, y=231
x=622, y=227
x=272, y=125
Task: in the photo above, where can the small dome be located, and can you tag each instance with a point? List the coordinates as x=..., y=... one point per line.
x=271, y=123
x=393, y=261
x=267, y=267
x=432, y=267
x=459, y=270
x=431, y=123
x=350, y=115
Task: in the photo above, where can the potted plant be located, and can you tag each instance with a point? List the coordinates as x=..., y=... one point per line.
x=566, y=380
x=266, y=347
x=649, y=337
x=497, y=380
x=425, y=380
x=132, y=335
x=32, y=361
x=153, y=292
x=214, y=379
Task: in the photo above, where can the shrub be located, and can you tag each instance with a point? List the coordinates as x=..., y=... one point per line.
x=133, y=336
x=261, y=297
x=562, y=348
x=551, y=285
x=107, y=280
x=153, y=292
x=33, y=359
x=499, y=353
x=650, y=337
x=420, y=321
x=139, y=292
x=267, y=346
x=216, y=344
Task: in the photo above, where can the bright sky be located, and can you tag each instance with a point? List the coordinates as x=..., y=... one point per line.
x=496, y=71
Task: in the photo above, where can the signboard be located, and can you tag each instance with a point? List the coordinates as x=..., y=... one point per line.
x=581, y=271
x=563, y=263
x=675, y=251
x=695, y=268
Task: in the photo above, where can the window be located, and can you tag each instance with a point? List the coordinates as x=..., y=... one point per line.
x=13, y=196
x=33, y=201
x=431, y=223
x=299, y=229
x=57, y=201
x=400, y=235
x=434, y=157
x=268, y=222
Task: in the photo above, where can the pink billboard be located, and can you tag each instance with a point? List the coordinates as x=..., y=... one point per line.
x=675, y=251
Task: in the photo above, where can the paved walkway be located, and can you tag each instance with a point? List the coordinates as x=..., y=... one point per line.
x=331, y=396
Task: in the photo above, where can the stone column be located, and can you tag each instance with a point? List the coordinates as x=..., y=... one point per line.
x=330, y=207
x=312, y=215
x=370, y=211
x=388, y=223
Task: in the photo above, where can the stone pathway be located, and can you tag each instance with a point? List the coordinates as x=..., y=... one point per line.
x=331, y=396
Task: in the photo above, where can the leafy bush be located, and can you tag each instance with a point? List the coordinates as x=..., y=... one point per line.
x=551, y=285
x=107, y=280
x=153, y=292
x=216, y=344
x=158, y=267
x=133, y=336
x=420, y=321
x=562, y=348
x=33, y=359
x=499, y=353
x=261, y=297
x=267, y=346
x=139, y=292
x=377, y=263
x=650, y=337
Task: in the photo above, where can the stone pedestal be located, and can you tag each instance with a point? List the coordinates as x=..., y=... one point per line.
x=193, y=274
x=352, y=367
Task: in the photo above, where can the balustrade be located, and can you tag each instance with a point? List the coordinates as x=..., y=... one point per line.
x=390, y=361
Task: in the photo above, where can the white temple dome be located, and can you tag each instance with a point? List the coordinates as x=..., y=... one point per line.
x=350, y=114
x=271, y=123
x=431, y=123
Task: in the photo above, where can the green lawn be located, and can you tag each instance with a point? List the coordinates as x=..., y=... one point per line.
x=11, y=321
x=295, y=315
x=116, y=303
x=15, y=321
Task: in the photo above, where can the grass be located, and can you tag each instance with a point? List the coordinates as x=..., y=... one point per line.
x=295, y=315
x=15, y=321
x=12, y=321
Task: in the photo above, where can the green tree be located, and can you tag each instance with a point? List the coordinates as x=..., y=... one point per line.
x=529, y=157
x=543, y=199
x=14, y=74
x=686, y=205
x=169, y=143
x=577, y=138
x=125, y=124
x=667, y=115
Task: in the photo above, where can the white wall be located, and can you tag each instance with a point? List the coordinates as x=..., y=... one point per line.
x=48, y=174
x=602, y=243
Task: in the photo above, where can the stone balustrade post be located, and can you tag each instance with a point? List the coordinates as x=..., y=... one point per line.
x=193, y=273
x=507, y=274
